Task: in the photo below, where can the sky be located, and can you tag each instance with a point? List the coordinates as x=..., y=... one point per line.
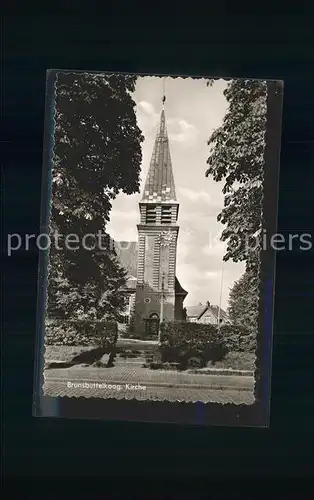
x=193, y=111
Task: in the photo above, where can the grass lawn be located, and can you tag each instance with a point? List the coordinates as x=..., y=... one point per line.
x=64, y=353
x=236, y=360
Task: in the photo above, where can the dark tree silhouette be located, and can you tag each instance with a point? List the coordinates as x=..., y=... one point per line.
x=242, y=301
x=237, y=158
x=97, y=154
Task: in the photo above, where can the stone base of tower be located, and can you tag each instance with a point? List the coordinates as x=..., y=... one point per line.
x=148, y=310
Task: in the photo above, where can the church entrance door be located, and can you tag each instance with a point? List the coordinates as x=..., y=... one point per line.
x=152, y=325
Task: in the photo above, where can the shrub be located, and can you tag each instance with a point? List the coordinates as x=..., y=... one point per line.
x=130, y=333
x=102, y=335
x=181, y=341
x=196, y=362
x=84, y=333
x=155, y=366
x=127, y=332
x=238, y=338
x=128, y=354
x=238, y=361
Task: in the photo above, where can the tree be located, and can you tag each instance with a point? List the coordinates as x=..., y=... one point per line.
x=237, y=158
x=243, y=301
x=96, y=154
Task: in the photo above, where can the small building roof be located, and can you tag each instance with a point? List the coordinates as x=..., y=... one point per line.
x=195, y=311
x=198, y=311
x=131, y=283
x=127, y=254
x=215, y=311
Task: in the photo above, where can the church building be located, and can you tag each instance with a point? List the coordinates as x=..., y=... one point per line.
x=155, y=294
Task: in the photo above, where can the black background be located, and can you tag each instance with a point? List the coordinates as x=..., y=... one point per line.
x=155, y=39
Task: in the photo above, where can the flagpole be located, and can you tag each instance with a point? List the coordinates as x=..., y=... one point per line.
x=220, y=298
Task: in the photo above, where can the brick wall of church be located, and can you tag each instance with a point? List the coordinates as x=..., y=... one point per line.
x=147, y=303
x=157, y=256
x=164, y=265
x=149, y=259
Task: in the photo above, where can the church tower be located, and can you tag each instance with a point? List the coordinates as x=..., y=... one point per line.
x=159, y=296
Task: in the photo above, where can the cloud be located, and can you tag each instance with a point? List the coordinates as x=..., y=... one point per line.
x=122, y=225
x=194, y=195
x=179, y=129
x=147, y=118
x=178, y=137
x=192, y=273
x=123, y=234
x=186, y=126
x=214, y=246
x=211, y=274
x=182, y=131
x=201, y=284
x=121, y=214
x=147, y=107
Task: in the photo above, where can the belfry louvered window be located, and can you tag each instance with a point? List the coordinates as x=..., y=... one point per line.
x=166, y=215
x=151, y=215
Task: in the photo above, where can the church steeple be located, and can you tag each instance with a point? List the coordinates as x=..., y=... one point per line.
x=159, y=186
x=157, y=292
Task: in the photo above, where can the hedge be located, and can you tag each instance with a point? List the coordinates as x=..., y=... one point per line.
x=194, y=344
x=190, y=343
x=238, y=338
x=81, y=332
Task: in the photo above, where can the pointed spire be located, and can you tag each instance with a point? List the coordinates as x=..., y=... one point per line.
x=159, y=186
x=162, y=126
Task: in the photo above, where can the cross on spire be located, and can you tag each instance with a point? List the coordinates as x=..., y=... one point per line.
x=164, y=93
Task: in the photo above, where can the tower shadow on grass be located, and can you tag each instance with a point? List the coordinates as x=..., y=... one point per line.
x=88, y=358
